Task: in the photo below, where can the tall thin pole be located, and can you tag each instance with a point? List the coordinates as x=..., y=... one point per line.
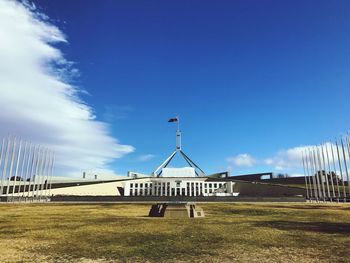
x=305, y=175
x=319, y=176
x=32, y=171
x=348, y=147
x=330, y=171
x=309, y=175
x=2, y=151
x=319, y=195
x=16, y=170
x=48, y=174
x=22, y=172
x=345, y=165
x=38, y=174
x=11, y=166
x=43, y=171
x=341, y=172
x=312, y=174
x=4, y=168
x=35, y=175
x=27, y=165
x=1, y=161
x=51, y=172
x=178, y=135
x=335, y=171
x=326, y=173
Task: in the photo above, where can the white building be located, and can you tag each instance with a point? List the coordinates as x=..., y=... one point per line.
x=188, y=181
x=178, y=186
x=164, y=181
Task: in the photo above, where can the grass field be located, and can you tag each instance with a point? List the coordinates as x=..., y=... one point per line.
x=237, y=232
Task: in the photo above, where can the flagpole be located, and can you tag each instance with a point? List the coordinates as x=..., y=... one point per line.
x=178, y=135
x=330, y=172
x=306, y=186
x=335, y=171
x=341, y=171
x=325, y=172
x=317, y=175
x=308, y=175
x=345, y=164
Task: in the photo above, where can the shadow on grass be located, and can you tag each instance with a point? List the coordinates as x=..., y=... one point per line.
x=320, y=227
x=149, y=246
x=247, y=212
x=307, y=207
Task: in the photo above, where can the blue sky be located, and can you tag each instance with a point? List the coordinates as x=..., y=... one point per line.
x=248, y=78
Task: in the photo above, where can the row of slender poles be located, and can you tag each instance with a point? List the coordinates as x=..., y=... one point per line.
x=326, y=171
x=26, y=170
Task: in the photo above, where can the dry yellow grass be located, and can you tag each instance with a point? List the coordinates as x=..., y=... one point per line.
x=264, y=232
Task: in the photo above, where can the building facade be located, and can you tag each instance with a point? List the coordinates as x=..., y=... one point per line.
x=178, y=186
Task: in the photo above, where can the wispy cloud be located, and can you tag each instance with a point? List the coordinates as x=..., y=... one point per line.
x=145, y=157
x=116, y=112
x=38, y=102
x=290, y=160
x=242, y=160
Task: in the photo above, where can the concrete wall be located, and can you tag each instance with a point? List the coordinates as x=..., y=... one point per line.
x=146, y=199
x=104, y=189
x=253, y=189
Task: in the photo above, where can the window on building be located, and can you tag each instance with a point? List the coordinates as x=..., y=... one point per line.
x=136, y=185
x=215, y=185
x=141, y=185
x=131, y=185
x=210, y=185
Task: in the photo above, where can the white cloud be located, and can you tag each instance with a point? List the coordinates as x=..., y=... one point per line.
x=292, y=158
x=242, y=160
x=145, y=157
x=38, y=103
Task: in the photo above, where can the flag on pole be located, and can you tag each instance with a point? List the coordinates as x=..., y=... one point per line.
x=173, y=119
